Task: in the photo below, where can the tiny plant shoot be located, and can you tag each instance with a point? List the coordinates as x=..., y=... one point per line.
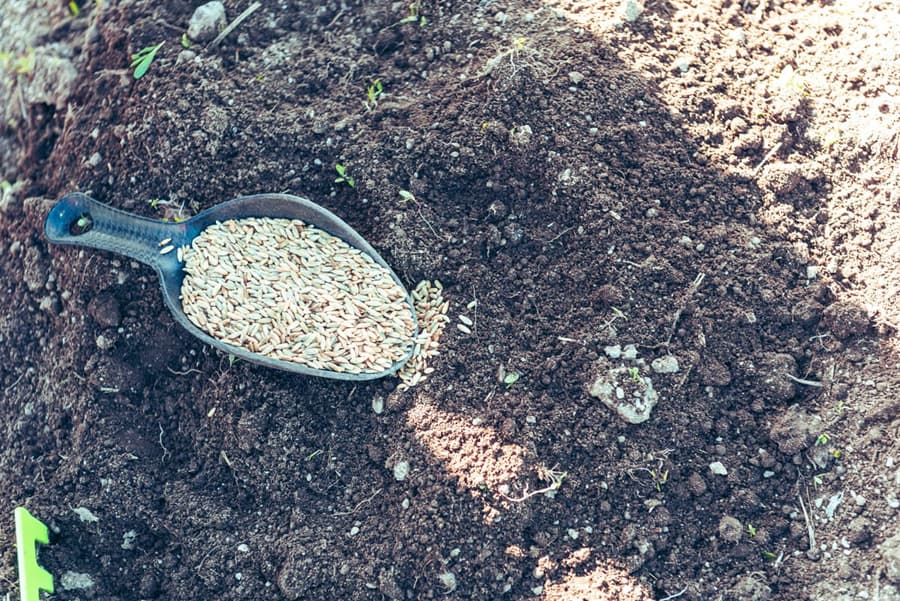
x=142, y=58
x=415, y=14
x=406, y=196
x=343, y=178
x=511, y=378
x=374, y=92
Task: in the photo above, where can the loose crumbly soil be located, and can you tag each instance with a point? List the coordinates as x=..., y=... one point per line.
x=574, y=177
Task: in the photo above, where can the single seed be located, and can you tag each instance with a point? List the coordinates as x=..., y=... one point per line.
x=463, y=328
x=164, y=242
x=166, y=249
x=465, y=320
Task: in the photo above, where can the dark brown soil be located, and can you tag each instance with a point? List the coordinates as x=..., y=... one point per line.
x=579, y=184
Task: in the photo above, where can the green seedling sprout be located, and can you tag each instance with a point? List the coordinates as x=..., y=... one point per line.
x=751, y=530
x=20, y=65
x=374, y=92
x=511, y=378
x=343, y=178
x=32, y=577
x=185, y=42
x=634, y=372
x=415, y=14
x=142, y=58
x=659, y=479
x=768, y=555
x=74, y=8
x=822, y=440
x=406, y=196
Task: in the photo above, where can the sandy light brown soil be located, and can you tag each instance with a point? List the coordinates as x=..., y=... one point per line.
x=709, y=182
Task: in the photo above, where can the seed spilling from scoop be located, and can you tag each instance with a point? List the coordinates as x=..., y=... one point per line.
x=291, y=291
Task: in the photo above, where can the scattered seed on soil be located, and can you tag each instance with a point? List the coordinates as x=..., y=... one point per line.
x=463, y=328
x=466, y=320
x=166, y=249
x=431, y=310
x=293, y=292
x=164, y=242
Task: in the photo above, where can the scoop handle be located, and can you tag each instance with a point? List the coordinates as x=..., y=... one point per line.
x=80, y=220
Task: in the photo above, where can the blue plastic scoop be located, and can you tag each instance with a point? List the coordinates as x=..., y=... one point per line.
x=81, y=220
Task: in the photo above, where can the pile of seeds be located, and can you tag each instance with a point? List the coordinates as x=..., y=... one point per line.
x=291, y=291
x=431, y=310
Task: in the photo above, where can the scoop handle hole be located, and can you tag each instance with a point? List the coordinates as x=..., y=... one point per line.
x=81, y=225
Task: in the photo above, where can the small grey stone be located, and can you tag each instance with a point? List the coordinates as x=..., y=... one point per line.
x=35, y=273
x=185, y=56
x=749, y=588
x=70, y=581
x=613, y=352
x=630, y=10
x=49, y=304
x=10, y=198
x=683, y=63
x=665, y=365
x=103, y=343
x=576, y=77
x=860, y=530
x=51, y=80
x=739, y=125
x=520, y=136
x=890, y=553
x=207, y=21
x=730, y=529
x=401, y=470
x=624, y=391
x=718, y=468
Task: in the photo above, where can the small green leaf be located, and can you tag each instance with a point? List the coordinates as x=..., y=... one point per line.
x=511, y=378
x=374, y=92
x=142, y=59
x=74, y=8
x=406, y=195
x=185, y=41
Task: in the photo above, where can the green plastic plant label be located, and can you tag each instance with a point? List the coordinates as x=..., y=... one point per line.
x=32, y=577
